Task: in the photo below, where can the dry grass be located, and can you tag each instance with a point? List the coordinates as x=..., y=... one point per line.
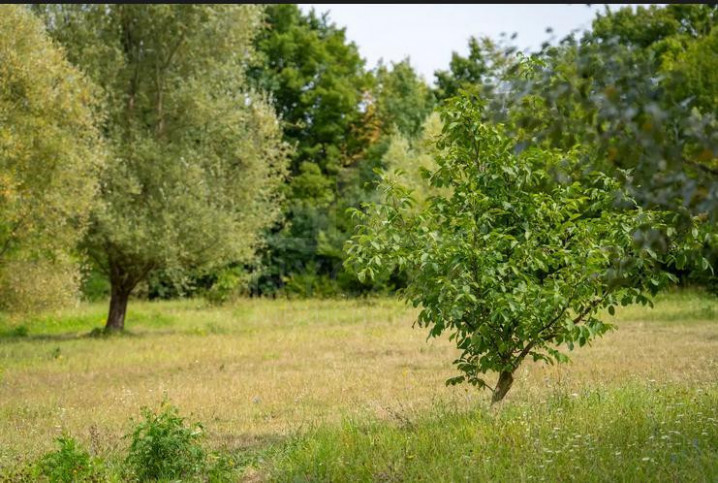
x=261, y=370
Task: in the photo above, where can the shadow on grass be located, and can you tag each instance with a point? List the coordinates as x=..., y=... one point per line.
x=15, y=335
x=77, y=326
x=248, y=443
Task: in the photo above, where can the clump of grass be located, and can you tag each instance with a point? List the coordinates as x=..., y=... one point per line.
x=17, y=331
x=632, y=433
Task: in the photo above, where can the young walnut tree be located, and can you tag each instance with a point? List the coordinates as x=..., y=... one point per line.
x=510, y=262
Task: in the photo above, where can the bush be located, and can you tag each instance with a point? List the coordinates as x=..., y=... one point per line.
x=228, y=283
x=309, y=284
x=69, y=463
x=165, y=447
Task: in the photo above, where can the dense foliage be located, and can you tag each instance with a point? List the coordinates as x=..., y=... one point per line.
x=338, y=115
x=50, y=157
x=235, y=140
x=639, y=88
x=196, y=158
x=643, y=97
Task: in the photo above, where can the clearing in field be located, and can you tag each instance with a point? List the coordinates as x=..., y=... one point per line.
x=333, y=390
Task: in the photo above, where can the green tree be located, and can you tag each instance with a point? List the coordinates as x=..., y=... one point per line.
x=402, y=99
x=639, y=91
x=694, y=71
x=481, y=71
x=463, y=71
x=510, y=263
x=635, y=90
x=196, y=156
x=660, y=28
x=398, y=128
x=317, y=83
x=50, y=155
x=407, y=161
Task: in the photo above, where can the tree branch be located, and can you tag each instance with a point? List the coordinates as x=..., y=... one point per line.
x=579, y=318
x=527, y=349
x=587, y=310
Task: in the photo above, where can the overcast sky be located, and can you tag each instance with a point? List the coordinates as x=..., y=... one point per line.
x=429, y=33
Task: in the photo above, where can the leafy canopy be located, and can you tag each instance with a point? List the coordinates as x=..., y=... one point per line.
x=510, y=263
x=50, y=156
x=196, y=156
x=639, y=88
x=402, y=98
x=317, y=80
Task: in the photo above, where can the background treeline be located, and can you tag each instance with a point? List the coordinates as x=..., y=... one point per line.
x=345, y=120
x=177, y=150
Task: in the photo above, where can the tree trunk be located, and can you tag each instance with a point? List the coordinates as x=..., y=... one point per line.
x=122, y=283
x=506, y=379
x=118, y=309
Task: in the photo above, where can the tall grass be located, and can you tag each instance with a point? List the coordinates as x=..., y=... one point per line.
x=630, y=433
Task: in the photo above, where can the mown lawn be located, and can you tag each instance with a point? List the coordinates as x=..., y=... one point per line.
x=346, y=390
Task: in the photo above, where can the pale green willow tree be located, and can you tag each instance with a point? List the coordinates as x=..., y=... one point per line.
x=196, y=156
x=50, y=156
x=510, y=263
x=406, y=159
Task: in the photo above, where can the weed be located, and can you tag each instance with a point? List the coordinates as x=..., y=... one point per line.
x=164, y=447
x=68, y=464
x=20, y=331
x=220, y=468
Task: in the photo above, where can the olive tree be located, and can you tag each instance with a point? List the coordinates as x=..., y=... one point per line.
x=195, y=156
x=50, y=155
x=512, y=264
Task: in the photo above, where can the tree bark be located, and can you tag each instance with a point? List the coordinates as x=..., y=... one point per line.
x=122, y=283
x=506, y=379
x=118, y=309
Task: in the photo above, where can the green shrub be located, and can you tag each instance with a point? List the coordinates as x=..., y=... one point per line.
x=69, y=463
x=20, y=331
x=229, y=283
x=165, y=447
x=309, y=284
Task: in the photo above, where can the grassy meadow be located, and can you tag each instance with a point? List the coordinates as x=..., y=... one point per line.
x=347, y=390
